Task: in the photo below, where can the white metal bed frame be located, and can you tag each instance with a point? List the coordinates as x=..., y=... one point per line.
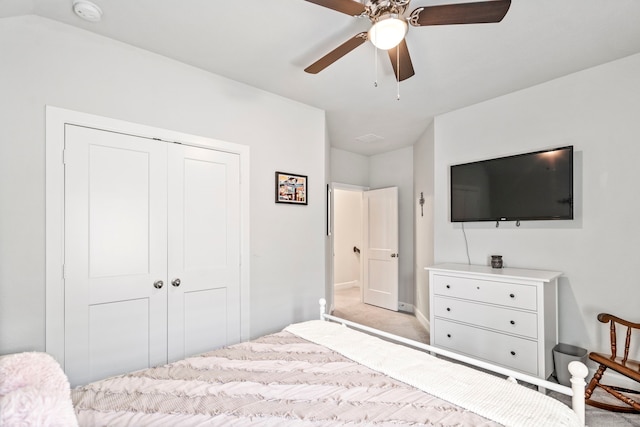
x=578, y=370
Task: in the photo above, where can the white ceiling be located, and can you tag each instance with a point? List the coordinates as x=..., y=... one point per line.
x=268, y=43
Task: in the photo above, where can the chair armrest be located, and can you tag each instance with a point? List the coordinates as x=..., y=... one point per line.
x=606, y=318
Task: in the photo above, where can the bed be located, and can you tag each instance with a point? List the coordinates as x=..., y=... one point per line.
x=322, y=373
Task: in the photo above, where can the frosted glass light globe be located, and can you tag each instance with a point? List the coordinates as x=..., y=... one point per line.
x=388, y=31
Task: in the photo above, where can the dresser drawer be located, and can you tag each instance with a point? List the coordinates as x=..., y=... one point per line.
x=515, y=353
x=499, y=318
x=501, y=293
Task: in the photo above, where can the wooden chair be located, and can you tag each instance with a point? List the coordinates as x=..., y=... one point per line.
x=623, y=365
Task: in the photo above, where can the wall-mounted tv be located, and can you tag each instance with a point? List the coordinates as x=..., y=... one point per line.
x=531, y=186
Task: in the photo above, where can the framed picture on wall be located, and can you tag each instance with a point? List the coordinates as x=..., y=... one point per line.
x=291, y=188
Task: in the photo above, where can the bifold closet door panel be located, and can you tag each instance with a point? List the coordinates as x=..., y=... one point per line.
x=204, y=250
x=115, y=253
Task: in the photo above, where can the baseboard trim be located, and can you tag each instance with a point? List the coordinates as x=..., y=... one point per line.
x=346, y=285
x=422, y=319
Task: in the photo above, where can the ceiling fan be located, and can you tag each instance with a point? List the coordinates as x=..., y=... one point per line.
x=389, y=26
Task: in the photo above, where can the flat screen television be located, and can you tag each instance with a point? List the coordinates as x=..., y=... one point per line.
x=531, y=186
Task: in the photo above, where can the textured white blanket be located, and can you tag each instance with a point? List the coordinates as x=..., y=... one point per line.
x=487, y=395
x=277, y=380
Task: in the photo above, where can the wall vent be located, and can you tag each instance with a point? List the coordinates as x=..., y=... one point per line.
x=369, y=138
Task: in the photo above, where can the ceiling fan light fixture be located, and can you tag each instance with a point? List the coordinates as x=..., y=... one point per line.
x=388, y=31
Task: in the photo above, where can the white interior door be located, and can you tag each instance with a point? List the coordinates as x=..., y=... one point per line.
x=380, y=248
x=204, y=247
x=115, y=250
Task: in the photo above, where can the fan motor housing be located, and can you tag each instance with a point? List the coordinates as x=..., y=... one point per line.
x=377, y=8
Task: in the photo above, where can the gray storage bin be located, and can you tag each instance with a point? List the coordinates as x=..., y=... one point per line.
x=563, y=354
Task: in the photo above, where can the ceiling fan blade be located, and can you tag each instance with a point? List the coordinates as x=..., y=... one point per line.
x=337, y=53
x=406, y=67
x=349, y=7
x=460, y=13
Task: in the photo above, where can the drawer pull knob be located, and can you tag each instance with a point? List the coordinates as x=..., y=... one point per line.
x=448, y=335
x=448, y=286
x=512, y=295
x=448, y=309
x=513, y=322
x=513, y=353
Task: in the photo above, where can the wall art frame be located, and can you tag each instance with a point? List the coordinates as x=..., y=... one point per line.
x=291, y=188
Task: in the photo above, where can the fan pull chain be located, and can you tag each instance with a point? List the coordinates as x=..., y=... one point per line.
x=398, y=68
x=375, y=66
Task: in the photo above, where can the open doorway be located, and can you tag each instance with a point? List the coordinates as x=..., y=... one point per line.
x=347, y=244
x=349, y=257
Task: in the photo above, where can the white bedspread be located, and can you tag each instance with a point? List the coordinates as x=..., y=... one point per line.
x=277, y=380
x=487, y=395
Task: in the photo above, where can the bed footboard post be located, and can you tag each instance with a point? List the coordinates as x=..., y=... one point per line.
x=323, y=307
x=579, y=372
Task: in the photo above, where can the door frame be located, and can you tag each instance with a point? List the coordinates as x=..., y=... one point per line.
x=56, y=119
x=338, y=186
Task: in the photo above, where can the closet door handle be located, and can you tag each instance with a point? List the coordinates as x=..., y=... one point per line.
x=158, y=284
x=175, y=282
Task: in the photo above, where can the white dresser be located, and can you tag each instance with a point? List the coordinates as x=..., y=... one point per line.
x=505, y=316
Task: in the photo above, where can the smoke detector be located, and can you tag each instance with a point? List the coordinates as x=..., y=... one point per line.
x=87, y=10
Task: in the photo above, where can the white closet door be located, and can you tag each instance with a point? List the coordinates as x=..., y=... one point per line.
x=115, y=249
x=204, y=250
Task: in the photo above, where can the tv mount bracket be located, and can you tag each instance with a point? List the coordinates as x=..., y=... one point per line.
x=498, y=223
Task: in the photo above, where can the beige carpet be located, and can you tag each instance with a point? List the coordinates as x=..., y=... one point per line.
x=347, y=305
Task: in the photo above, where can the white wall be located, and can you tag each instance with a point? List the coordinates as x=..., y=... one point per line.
x=423, y=161
x=347, y=229
x=349, y=168
x=48, y=63
x=395, y=169
x=597, y=112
